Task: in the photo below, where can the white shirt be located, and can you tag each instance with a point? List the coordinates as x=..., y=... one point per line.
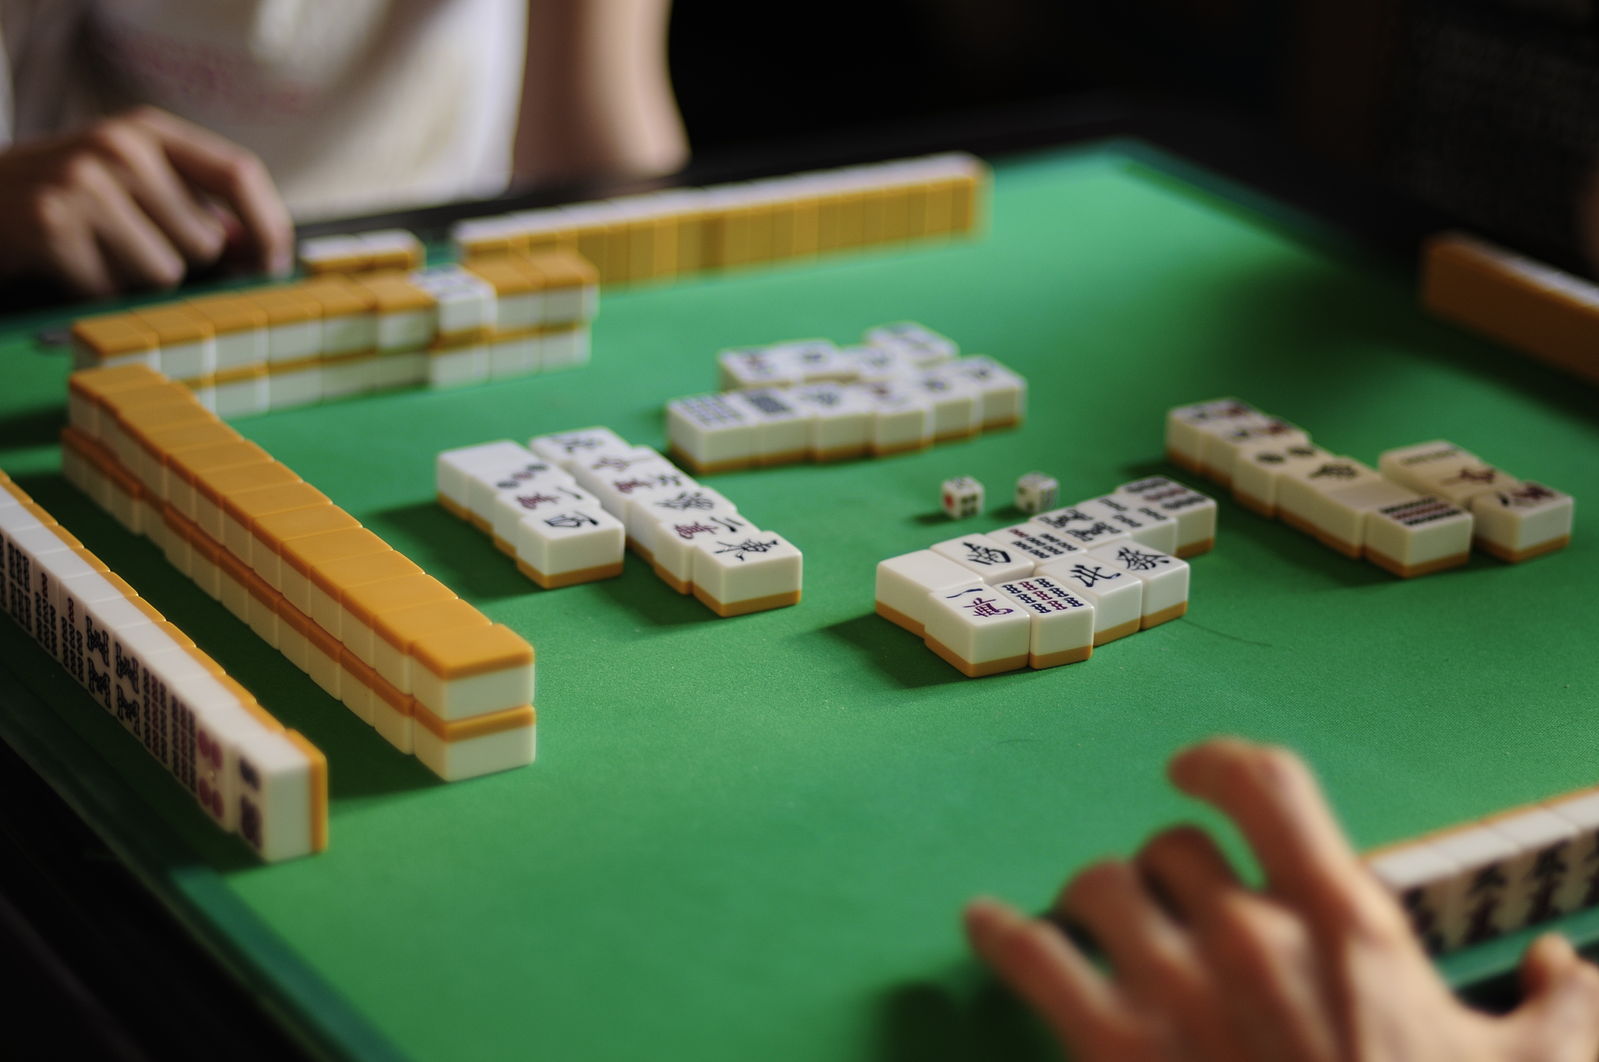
x=355, y=106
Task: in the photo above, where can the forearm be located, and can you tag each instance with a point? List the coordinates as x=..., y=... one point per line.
x=596, y=92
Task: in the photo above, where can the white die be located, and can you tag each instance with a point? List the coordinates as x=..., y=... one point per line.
x=1036, y=492
x=962, y=496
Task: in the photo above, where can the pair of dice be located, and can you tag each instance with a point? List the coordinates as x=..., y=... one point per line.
x=1035, y=492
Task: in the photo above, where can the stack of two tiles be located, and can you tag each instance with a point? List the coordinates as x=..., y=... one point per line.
x=1274, y=469
x=1474, y=882
x=1049, y=590
x=249, y=774
x=394, y=645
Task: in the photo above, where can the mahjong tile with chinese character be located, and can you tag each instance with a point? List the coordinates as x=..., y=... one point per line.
x=1086, y=524
x=1257, y=474
x=1302, y=491
x=1194, y=512
x=977, y=630
x=673, y=539
x=1116, y=594
x=1523, y=522
x=987, y=557
x=1186, y=428
x=751, y=571
x=569, y=544
x=1342, y=515
x=1164, y=578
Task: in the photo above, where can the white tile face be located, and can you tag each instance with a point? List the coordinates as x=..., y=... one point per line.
x=1419, y=532
x=743, y=367
x=394, y=369
x=749, y=567
x=1422, y=464
x=454, y=468
x=276, y=798
x=988, y=558
x=573, y=539
x=188, y=361
x=1302, y=491
x=1035, y=541
x=293, y=341
x=1525, y=517
x=904, y=582
x=618, y=491
x=1479, y=894
x=456, y=368
x=710, y=430
x=241, y=398
x=484, y=484
x=455, y=760
x=1581, y=887
x=653, y=512
x=1037, y=492
x=960, y=497
x=1116, y=594
x=1545, y=844
x=956, y=403
x=346, y=377
x=985, y=630
x=298, y=387
x=924, y=345
x=673, y=541
x=1004, y=393
x=1164, y=578
x=868, y=362
x=564, y=447
x=782, y=429
x=1225, y=443
x=1146, y=524
x=532, y=499
x=1062, y=622
x=1086, y=524
x=811, y=360
x=1185, y=426
x=512, y=357
x=840, y=418
x=1419, y=877
x=235, y=350
x=464, y=300
x=901, y=418
x=348, y=333
x=593, y=472
x=1256, y=476
x=1343, y=514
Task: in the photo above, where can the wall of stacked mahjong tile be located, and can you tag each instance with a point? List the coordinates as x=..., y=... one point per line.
x=903, y=387
x=1052, y=589
x=1421, y=510
x=568, y=504
x=1479, y=880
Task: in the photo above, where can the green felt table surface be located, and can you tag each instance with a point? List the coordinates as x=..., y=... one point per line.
x=752, y=837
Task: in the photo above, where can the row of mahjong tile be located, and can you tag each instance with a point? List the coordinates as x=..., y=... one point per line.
x=1025, y=597
x=681, y=231
x=886, y=352
x=334, y=337
x=331, y=595
x=1046, y=591
x=830, y=421
x=1473, y=882
x=567, y=505
x=1420, y=511
x=249, y=774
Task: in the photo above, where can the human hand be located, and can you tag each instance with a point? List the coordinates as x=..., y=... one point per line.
x=136, y=201
x=1319, y=964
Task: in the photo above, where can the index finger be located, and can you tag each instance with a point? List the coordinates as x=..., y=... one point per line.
x=216, y=165
x=1275, y=801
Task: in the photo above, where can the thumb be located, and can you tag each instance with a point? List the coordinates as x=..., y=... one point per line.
x=1559, y=1013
